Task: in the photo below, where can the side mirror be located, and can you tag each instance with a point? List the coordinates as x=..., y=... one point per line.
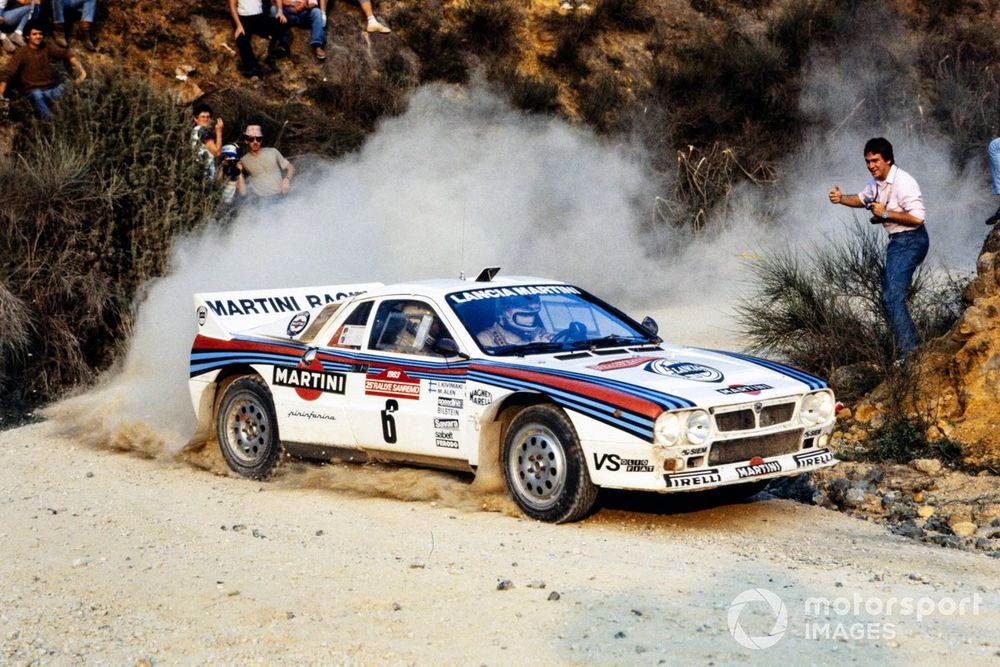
x=447, y=347
x=650, y=325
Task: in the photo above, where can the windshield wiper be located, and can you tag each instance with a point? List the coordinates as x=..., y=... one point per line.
x=538, y=347
x=614, y=340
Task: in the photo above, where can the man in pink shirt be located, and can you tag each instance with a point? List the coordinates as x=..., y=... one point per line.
x=895, y=200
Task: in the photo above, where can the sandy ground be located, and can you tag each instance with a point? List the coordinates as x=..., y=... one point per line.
x=111, y=558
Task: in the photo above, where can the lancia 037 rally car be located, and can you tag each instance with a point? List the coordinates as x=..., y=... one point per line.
x=561, y=391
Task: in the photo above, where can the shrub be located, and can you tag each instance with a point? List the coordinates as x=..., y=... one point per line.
x=490, y=25
x=902, y=441
x=825, y=311
x=600, y=99
x=440, y=49
x=962, y=63
x=624, y=15
x=570, y=33
x=539, y=94
x=91, y=203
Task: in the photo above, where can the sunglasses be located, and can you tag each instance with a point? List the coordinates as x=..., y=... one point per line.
x=252, y=140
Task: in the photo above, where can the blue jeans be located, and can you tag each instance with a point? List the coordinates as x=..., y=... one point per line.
x=308, y=18
x=87, y=9
x=905, y=252
x=994, y=154
x=41, y=98
x=20, y=15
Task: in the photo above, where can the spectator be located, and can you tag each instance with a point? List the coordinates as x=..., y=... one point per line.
x=374, y=25
x=895, y=201
x=250, y=19
x=87, y=9
x=264, y=166
x=206, y=138
x=231, y=173
x=17, y=15
x=306, y=13
x=993, y=153
x=33, y=66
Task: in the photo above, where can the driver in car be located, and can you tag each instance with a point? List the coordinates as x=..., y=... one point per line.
x=517, y=322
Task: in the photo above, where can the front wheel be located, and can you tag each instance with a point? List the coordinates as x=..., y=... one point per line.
x=545, y=468
x=247, y=429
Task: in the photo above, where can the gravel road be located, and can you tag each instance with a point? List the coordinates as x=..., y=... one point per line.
x=112, y=558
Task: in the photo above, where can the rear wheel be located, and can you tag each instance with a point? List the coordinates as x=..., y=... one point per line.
x=247, y=429
x=545, y=468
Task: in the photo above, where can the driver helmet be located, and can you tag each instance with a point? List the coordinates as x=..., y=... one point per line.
x=520, y=313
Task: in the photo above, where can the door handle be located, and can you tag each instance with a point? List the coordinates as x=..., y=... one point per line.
x=359, y=368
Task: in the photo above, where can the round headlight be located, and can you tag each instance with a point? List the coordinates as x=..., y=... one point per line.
x=816, y=408
x=667, y=430
x=699, y=426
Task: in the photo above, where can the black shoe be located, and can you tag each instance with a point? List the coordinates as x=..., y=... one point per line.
x=269, y=64
x=993, y=219
x=251, y=73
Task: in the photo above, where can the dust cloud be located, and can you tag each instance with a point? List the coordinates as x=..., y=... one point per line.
x=461, y=181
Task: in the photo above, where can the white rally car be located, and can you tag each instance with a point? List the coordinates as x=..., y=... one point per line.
x=562, y=392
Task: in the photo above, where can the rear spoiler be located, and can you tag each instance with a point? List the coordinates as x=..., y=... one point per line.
x=222, y=314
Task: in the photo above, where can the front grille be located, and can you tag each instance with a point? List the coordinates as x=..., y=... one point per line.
x=747, y=418
x=737, y=420
x=744, y=449
x=776, y=414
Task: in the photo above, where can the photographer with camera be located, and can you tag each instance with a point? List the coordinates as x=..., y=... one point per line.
x=895, y=201
x=231, y=174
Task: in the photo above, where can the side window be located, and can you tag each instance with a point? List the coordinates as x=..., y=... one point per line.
x=351, y=333
x=406, y=326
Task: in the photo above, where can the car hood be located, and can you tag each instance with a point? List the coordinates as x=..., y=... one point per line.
x=703, y=377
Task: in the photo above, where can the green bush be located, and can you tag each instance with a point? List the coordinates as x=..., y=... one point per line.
x=902, y=441
x=823, y=310
x=92, y=201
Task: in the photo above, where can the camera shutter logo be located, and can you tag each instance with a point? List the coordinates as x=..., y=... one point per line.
x=773, y=602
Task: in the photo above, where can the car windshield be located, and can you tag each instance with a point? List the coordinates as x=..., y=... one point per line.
x=539, y=319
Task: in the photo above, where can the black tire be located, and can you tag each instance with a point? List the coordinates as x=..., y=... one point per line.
x=247, y=429
x=545, y=468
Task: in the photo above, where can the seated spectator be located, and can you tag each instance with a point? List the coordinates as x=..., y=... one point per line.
x=87, y=9
x=308, y=14
x=374, y=25
x=206, y=138
x=32, y=65
x=16, y=15
x=250, y=19
x=264, y=166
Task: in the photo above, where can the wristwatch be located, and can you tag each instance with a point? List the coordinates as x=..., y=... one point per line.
x=885, y=214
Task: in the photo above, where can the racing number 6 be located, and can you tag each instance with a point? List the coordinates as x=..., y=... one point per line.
x=388, y=423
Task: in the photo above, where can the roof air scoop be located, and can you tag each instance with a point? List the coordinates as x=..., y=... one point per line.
x=488, y=274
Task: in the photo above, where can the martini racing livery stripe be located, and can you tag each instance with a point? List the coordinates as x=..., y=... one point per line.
x=211, y=354
x=811, y=381
x=617, y=404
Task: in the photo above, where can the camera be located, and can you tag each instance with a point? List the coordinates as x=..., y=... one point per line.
x=230, y=168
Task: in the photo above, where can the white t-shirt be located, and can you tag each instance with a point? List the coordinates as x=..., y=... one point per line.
x=249, y=7
x=899, y=192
